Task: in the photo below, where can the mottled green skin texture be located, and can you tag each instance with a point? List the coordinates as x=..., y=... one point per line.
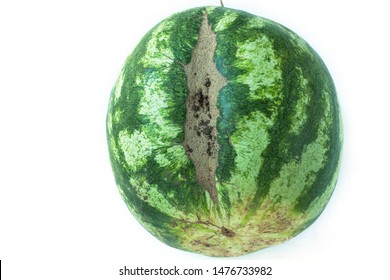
x=279, y=135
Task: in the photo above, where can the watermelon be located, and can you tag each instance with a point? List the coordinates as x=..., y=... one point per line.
x=224, y=132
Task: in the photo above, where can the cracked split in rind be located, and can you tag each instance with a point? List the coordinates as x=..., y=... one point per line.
x=201, y=134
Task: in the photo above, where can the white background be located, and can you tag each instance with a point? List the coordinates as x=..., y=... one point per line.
x=61, y=216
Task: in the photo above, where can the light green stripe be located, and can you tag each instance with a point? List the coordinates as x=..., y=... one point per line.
x=256, y=22
x=249, y=141
x=118, y=86
x=299, y=174
x=151, y=194
x=299, y=117
x=157, y=53
x=154, y=103
x=136, y=148
x=174, y=158
x=319, y=203
x=225, y=22
x=261, y=66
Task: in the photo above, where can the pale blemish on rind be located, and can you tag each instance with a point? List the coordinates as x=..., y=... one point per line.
x=204, y=83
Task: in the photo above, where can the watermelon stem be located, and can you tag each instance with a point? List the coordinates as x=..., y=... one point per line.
x=222, y=3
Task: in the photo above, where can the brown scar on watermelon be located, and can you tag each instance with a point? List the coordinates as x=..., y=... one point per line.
x=204, y=82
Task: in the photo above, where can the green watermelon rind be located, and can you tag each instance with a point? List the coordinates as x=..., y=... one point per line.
x=279, y=135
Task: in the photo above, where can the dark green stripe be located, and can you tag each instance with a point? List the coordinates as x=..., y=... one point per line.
x=234, y=100
x=284, y=146
x=325, y=175
x=180, y=188
x=161, y=223
x=176, y=81
x=185, y=23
